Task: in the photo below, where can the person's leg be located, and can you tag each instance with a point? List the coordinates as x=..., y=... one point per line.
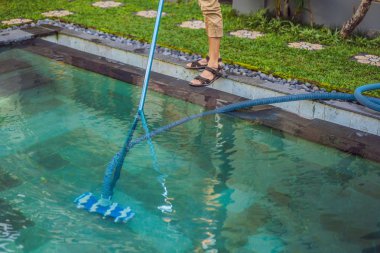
x=214, y=28
x=213, y=51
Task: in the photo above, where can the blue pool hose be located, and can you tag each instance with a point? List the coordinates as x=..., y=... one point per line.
x=369, y=102
x=104, y=205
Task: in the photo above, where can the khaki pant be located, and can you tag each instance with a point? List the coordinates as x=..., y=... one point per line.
x=213, y=17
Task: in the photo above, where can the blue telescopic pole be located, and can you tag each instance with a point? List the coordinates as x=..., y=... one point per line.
x=151, y=56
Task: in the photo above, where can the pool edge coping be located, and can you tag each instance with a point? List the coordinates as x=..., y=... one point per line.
x=315, y=130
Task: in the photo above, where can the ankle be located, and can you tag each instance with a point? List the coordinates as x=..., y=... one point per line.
x=214, y=65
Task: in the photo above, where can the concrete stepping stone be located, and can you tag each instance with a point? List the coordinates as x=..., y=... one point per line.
x=149, y=14
x=57, y=13
x=368, y=59
x=16, y=21
x=107, y=4
x=247, y=34
x=193, y=24
x=306, y=46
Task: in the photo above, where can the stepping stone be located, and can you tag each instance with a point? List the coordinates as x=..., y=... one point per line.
x=247, y=34
x=368, y=59
x=149, y=14
x=306, y=46
x=16, y=21
x=56, y=13
x=107, y=4
x=193, y=24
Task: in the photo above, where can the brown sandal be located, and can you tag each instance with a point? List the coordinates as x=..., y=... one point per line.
x=205, y=81
x=197, y=65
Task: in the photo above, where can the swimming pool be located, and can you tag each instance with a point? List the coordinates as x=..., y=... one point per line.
x=223, y=184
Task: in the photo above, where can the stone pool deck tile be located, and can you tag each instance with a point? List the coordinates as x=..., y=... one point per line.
x=19, y=35
x=317, y=130
x=7, y=37
x=39, y=31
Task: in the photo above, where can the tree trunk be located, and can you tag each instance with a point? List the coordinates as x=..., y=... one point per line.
x=353, y=22
x=286, y=9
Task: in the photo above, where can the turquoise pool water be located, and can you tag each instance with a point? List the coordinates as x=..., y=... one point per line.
x=225, y=185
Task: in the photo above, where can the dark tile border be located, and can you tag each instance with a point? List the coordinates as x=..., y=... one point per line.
x=326, y=133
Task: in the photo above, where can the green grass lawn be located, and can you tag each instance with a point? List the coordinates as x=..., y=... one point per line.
x=331, y=68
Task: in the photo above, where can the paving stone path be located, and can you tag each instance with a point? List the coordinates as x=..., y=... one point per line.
x=247, y=34
x=306, y=46
x=57, y=13
x=107, y=4
x=16, y=21
x=149, y=14
x=368, y=59
x=193, y=24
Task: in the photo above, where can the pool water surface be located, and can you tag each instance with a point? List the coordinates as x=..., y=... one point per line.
x=219, y=184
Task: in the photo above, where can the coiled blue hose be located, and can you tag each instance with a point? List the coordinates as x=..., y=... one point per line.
x=369, y=102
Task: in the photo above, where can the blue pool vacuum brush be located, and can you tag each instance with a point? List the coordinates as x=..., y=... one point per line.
x=104, y=205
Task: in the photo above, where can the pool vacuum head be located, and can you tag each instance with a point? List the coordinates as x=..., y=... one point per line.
x=104, y=207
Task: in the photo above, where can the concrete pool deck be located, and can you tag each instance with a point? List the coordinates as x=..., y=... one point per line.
x=345, y=126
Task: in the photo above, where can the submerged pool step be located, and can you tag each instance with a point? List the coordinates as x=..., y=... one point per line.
x=10, y=65
x=7, y=180
x=19, y=80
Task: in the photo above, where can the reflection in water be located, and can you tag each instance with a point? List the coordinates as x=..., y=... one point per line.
x=167, y=207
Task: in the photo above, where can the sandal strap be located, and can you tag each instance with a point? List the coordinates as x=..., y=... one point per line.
x=202, y=79
x=215, y=72
x=195, y=64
